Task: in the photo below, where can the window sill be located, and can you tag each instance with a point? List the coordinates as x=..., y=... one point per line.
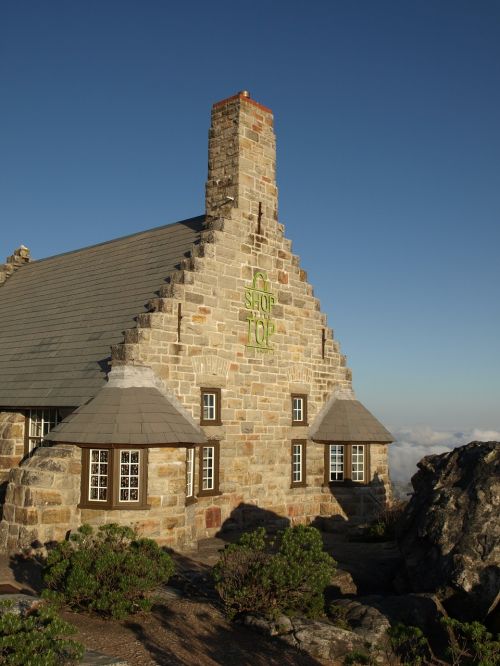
x=210, y=423
x=190, y=501
x=209, y=493
x=114, y=507
x=347, y=483
x=300, y=424
x=301, y=484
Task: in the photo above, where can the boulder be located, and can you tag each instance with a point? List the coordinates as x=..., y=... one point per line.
x=365, y=620
x=325, y=640
x=450, y=536
x=341, y=584
x=18, y=603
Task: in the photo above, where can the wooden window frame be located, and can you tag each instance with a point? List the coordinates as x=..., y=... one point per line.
x=303, y=396
x=113, y=502
x=303, y=482
x=218, y=397
x=215, y=490
x=191, y=499
x=347, y=480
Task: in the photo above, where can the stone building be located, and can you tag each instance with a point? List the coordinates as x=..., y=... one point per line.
x=182, y=380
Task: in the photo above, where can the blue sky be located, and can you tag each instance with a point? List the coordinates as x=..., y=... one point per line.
x=387, y=117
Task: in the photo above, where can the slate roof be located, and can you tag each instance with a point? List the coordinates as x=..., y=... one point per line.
x=349, y=421
x=59, y=316
x=136, y=415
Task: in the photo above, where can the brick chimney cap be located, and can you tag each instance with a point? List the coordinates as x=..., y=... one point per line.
x=243, y=94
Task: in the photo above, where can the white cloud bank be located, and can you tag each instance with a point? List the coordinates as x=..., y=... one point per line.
x=412, y=444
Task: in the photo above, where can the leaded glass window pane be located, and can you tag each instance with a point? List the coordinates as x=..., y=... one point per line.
x=129, y=476
x=98, y=475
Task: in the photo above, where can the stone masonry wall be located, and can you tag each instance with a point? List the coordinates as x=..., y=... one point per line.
x=11, y=445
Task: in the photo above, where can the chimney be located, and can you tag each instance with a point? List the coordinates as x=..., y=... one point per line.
x=242, y=160
x=16, y=260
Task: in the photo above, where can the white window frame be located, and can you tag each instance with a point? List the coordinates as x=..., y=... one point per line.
x=336, y=462
x=358, y=460
x=99, y=474
x=297, y=462
x=297, y=409
x=209, y=406
x=208, y=469
x=43, y=419
x=190, y=458
x=127, y=480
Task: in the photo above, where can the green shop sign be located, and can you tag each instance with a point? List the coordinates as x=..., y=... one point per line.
x=259, y=300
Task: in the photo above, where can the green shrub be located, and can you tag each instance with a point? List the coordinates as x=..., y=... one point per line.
x=409, y=643
x=283, y=575
x=36, y=638
x=471, y=644
x=109, y=572
x=338, y=616
x=356, y=657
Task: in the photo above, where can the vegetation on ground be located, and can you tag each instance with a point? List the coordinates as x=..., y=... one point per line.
x=409, y=644
x=471, y=644
x=284, y=575
x=36, y=638
x=386, y=524
x=109, y=571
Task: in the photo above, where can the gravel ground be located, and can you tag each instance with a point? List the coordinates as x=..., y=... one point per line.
x=184, y=632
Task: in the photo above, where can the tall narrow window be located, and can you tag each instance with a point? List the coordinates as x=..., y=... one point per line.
x=98, y=475
x=210, y=406
x=40, y=422
x=358, y=462
x=129, y=476
x=299, y=409
x=209, y=469
x=336, y=462
x=298, y=463
x=190, y=474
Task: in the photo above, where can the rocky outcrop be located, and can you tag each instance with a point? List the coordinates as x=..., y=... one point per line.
x=325, y=640
x=450, y=538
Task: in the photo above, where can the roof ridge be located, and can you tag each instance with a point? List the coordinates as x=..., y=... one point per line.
x=114, y=240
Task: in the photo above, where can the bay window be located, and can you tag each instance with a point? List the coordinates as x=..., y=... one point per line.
x=114, y=478
x=347, y=463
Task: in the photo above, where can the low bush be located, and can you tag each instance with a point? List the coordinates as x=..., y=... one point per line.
x=36, y=638
x=358, y=658
x=409, y=644
x=471, y=644
x=109, y=571
x=287, y=574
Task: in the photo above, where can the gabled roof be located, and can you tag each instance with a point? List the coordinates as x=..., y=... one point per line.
x=59, y=316
x=347, y=420
x=138, y=415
